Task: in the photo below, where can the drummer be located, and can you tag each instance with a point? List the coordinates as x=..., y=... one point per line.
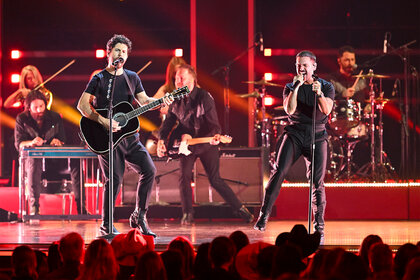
x=345, y=85
x=30, y=78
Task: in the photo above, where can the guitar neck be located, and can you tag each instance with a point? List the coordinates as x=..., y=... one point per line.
x=201, y=140
x=144, y=109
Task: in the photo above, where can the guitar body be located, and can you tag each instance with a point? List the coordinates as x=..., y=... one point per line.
x=97, y=137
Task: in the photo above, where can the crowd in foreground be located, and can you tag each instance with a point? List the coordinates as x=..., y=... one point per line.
x=295, y=255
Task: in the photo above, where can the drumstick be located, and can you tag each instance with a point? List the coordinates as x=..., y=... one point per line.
x=58, y=72
x=355, y=83
x=144, y=67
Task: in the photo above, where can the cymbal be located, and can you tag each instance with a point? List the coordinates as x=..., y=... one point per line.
x=262, y=82
x=379, y=100
x=370, y=75
x=280, y=108
x=252, y=94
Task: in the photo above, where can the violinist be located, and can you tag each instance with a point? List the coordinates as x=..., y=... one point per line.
x=30, y=79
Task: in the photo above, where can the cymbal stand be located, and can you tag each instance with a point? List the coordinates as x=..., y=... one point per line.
x=384, y=170
x=265, y=128
x=364, y=170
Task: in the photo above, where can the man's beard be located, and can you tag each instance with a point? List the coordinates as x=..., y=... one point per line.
x=38, y=116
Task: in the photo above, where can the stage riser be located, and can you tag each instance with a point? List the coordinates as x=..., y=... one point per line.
x=343, y=203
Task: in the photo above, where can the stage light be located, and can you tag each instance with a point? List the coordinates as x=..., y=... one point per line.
x=100, y=53
x=268, y=100
x=15, y=54
x=268, y=76
x=17, y=104
x=15, y=78
x=267, y=52
x=179, y=52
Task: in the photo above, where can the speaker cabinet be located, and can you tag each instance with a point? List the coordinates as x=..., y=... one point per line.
x=245, y=170
x=165, y=188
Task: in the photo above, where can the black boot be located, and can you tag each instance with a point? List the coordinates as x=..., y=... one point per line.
x=138, y=220
x=187, y=219
x=262, y=221
x=245, y=214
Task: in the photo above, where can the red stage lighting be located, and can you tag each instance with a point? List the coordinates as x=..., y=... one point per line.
x=179, y=52
x=268, y=100
x=100, y=53
x=15, y=54
x=15, y=78
x=268, y=76
x=267, y=52
x=17, y=104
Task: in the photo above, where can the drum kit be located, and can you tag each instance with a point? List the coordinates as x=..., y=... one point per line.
x=349, y=124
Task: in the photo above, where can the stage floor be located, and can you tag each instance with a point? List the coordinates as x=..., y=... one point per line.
x=347, y=234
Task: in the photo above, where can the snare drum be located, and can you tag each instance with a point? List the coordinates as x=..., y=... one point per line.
x=345, y=115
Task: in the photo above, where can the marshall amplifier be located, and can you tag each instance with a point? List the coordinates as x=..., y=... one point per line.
x=245, y=170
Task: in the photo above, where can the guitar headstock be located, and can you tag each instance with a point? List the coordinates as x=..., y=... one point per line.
x=180, y=92
x=225, y=139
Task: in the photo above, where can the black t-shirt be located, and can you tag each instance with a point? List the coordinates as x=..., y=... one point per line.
x=341, y=83
x=98, y=87
x=305, y=103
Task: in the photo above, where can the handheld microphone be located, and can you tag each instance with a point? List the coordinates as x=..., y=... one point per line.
x=386, y=43
x=118, y=60
x=295, y=84
x=261, y=43
x=354, y=66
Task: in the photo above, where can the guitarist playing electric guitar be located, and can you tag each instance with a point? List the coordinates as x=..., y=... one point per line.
x=127, y=87
x=197, y=117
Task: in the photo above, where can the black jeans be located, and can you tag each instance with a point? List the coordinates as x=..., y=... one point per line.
x=131, y=150
x=209, y=156
x=34, y=170
x=290, y=148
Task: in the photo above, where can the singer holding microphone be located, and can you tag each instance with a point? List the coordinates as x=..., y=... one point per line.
x=298, y=100
x=128, y=87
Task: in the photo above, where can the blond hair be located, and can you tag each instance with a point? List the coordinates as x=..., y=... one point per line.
x=24, y=73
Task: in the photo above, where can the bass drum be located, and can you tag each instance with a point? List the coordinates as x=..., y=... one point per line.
x=335, y=159
x=345, y=115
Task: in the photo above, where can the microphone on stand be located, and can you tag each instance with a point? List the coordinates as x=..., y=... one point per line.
x=395, y=89
x=118, y=60
x=261, y=42
x=386, y=43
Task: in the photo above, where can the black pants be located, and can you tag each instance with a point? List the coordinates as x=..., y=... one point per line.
x=34, y=170
x=290, y=148
x=209, y=157
x=131, y=150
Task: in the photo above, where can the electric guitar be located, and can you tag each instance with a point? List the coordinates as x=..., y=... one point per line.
x=96, y=136
x=182, y=147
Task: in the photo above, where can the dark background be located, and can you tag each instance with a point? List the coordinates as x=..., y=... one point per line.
x=78, y=26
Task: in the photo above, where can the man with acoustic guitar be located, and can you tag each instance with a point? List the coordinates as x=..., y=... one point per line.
x=127, y=88
x=197, y=117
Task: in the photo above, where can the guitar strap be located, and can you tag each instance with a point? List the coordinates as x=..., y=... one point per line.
x=131, y=87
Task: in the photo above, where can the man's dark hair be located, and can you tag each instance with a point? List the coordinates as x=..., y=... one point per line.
x=118, y=39
x=221, y=251
x=344, y=49
x=307, y=54
x=34, y=95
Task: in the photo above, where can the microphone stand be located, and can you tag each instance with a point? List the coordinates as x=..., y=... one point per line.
x=311, y=182
x=226, y=90
x=110, y=96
